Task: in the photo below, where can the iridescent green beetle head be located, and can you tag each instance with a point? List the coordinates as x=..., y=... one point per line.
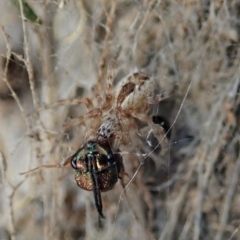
x=97, y=169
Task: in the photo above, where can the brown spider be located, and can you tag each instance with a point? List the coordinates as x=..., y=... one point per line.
x=111, y=126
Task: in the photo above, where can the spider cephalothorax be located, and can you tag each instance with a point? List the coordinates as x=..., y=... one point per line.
x=135, y=91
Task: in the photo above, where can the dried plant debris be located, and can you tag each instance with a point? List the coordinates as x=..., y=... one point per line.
x=85, y=89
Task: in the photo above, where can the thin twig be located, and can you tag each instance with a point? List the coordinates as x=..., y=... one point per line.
x=26, y=53
x=229, y=196
x=5, y=79
x=103, y=62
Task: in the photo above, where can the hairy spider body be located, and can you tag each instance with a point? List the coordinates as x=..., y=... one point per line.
x=109, y=127
x=129, y=100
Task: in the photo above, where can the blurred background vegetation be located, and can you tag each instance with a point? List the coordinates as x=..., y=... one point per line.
x=52, y=50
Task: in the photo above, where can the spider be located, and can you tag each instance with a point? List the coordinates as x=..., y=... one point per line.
x=112, y=125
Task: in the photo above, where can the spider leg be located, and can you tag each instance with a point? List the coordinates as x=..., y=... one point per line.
x=74, y=101
x=158, y=131
x=97, y=96
x=65, y=163
x=74, y=122
x=109, y=85
x=129, y=128
x=71, y=123
x=159, y=97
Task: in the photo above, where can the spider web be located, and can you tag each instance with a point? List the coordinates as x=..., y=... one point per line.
x=187, y=190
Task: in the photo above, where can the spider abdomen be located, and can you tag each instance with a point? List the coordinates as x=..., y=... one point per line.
x=109, y=129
